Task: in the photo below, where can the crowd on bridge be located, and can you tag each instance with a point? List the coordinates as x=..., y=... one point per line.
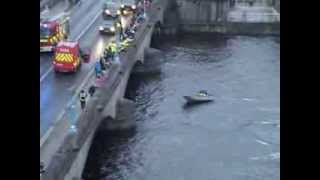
x=111, y=50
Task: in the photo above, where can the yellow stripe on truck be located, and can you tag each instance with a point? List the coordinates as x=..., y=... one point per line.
x=68, y=57
x=59, y=57
x=63, y=57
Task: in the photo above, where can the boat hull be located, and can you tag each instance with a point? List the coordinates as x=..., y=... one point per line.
x=196, y=99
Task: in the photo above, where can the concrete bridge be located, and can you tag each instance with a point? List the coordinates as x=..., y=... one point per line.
x=64, y=151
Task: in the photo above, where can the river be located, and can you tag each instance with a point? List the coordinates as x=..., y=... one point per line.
x=236, y=137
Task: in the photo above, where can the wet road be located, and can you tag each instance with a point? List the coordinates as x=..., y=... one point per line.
x=80, y=17
x=56, y=90
x=235, y=137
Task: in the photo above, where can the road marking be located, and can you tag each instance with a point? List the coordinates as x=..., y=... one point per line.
x=45, y=136
x=46, y=74
x=90, y=24
x=60, y=116
x=78, y=37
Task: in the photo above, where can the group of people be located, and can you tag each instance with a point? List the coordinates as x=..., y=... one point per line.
x=100, y=67
x=111, y=49
x=106, y=59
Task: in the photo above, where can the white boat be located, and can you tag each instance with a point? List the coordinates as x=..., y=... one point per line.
x=201, y=96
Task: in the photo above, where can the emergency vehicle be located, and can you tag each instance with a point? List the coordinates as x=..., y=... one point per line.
x=111, y=9
x=53, y=30
x=128, y=7
x=108, y=27
x=68, y=57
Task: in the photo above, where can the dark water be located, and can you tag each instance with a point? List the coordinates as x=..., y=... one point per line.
x=237, y=137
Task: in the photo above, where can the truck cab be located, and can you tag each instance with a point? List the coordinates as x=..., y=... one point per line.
x=53, y=31
x=48, y=36
x=68, y=57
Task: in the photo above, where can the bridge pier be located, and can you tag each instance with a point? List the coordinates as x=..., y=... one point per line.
x=151, y=65
x=124, y=119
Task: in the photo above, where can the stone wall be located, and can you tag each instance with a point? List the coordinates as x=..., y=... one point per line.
x=204, y=11
x=233, y=28
x=212, y=16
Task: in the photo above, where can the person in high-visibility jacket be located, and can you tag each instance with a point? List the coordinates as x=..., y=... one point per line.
x=113, y=47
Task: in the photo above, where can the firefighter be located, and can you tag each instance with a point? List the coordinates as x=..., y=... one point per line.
x=82, y=98
x=109, y=53
x=113, y=48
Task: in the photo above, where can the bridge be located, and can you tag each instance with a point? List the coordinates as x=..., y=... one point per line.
x=63, y=152
x=66, y=131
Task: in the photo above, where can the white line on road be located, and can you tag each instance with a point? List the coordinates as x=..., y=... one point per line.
x=60, y=116
x=78, y=37
x=90, y=24
x=46, y=74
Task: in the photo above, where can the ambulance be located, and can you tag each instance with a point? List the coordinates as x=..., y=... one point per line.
x=68, y=57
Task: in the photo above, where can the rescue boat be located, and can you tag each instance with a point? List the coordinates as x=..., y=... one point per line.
x=201, y=97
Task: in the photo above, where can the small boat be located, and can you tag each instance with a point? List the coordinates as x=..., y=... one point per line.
x=201, y=97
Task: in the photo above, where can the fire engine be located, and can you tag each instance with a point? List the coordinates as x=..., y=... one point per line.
x=53, y=30
x=68, y=57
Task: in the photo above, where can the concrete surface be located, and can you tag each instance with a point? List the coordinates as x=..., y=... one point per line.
x=223, y=17
x=202, y=11
x=254, y=14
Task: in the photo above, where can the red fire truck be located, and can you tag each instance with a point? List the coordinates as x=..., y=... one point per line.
x=68, y=57
x=53, y=30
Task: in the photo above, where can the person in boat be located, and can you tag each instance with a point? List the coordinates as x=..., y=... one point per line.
x=202, y=93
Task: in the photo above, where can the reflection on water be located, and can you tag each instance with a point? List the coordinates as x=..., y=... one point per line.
x=227, y=139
